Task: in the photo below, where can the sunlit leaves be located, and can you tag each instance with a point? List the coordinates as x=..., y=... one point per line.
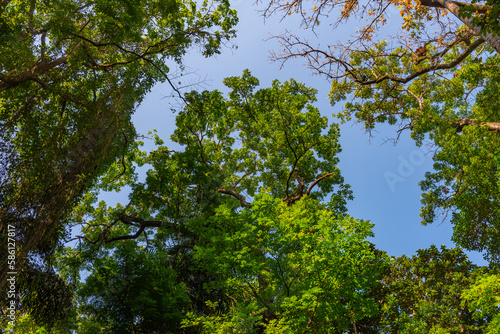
x=486, y=18
x=231, y=148
x=300, y=268
x=483, y=299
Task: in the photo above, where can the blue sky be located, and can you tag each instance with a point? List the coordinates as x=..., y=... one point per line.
x=383, y=176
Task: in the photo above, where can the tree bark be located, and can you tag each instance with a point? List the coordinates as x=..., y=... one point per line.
x=239, y=197
x=454, y=8
x=491, y=126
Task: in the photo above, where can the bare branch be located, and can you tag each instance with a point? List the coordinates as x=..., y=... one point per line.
x=436, y=67
x=242, y=177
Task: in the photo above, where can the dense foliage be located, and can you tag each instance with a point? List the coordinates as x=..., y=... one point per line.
x=244, y=228
x=193, y=199
x=71, y=75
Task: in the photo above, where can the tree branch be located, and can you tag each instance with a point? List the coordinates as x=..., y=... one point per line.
x=7, y=82
x=316, y=182
x=439, y=4
x=242, y=177
x=130, y=220
x=491, y=126
x=300, y=193
x=436, y=67
x=139, y=56
x=454, y=8
x=236, y=195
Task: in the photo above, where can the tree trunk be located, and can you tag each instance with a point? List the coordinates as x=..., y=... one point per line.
x=37, y=215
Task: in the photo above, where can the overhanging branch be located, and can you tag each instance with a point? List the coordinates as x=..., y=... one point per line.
x=440, y=4
x=143, y=224
x=407, y=79
x=454, y=7
x=9, y=81
x=290, y=200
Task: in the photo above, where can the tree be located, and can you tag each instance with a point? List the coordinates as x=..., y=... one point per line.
x=298, y=269
x=441, y=87
x=481, y=18
x=72, y=73
x=298, y=261
x=131, y=290
x=423, y=293
x=273, y=139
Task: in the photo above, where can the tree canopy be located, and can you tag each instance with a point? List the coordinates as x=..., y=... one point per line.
x=251, y=180
x=241, y=222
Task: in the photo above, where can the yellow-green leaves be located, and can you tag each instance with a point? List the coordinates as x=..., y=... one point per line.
x=301, y=267
x=483, y=298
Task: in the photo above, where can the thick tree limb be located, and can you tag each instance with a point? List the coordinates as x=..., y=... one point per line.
x=439, y=4
x=491, y=126
x=33, y=74
x=454, y=8
x=290, y=200
x=295, y=198
x=143, y=224
x=316, y=182
x=236, y=195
